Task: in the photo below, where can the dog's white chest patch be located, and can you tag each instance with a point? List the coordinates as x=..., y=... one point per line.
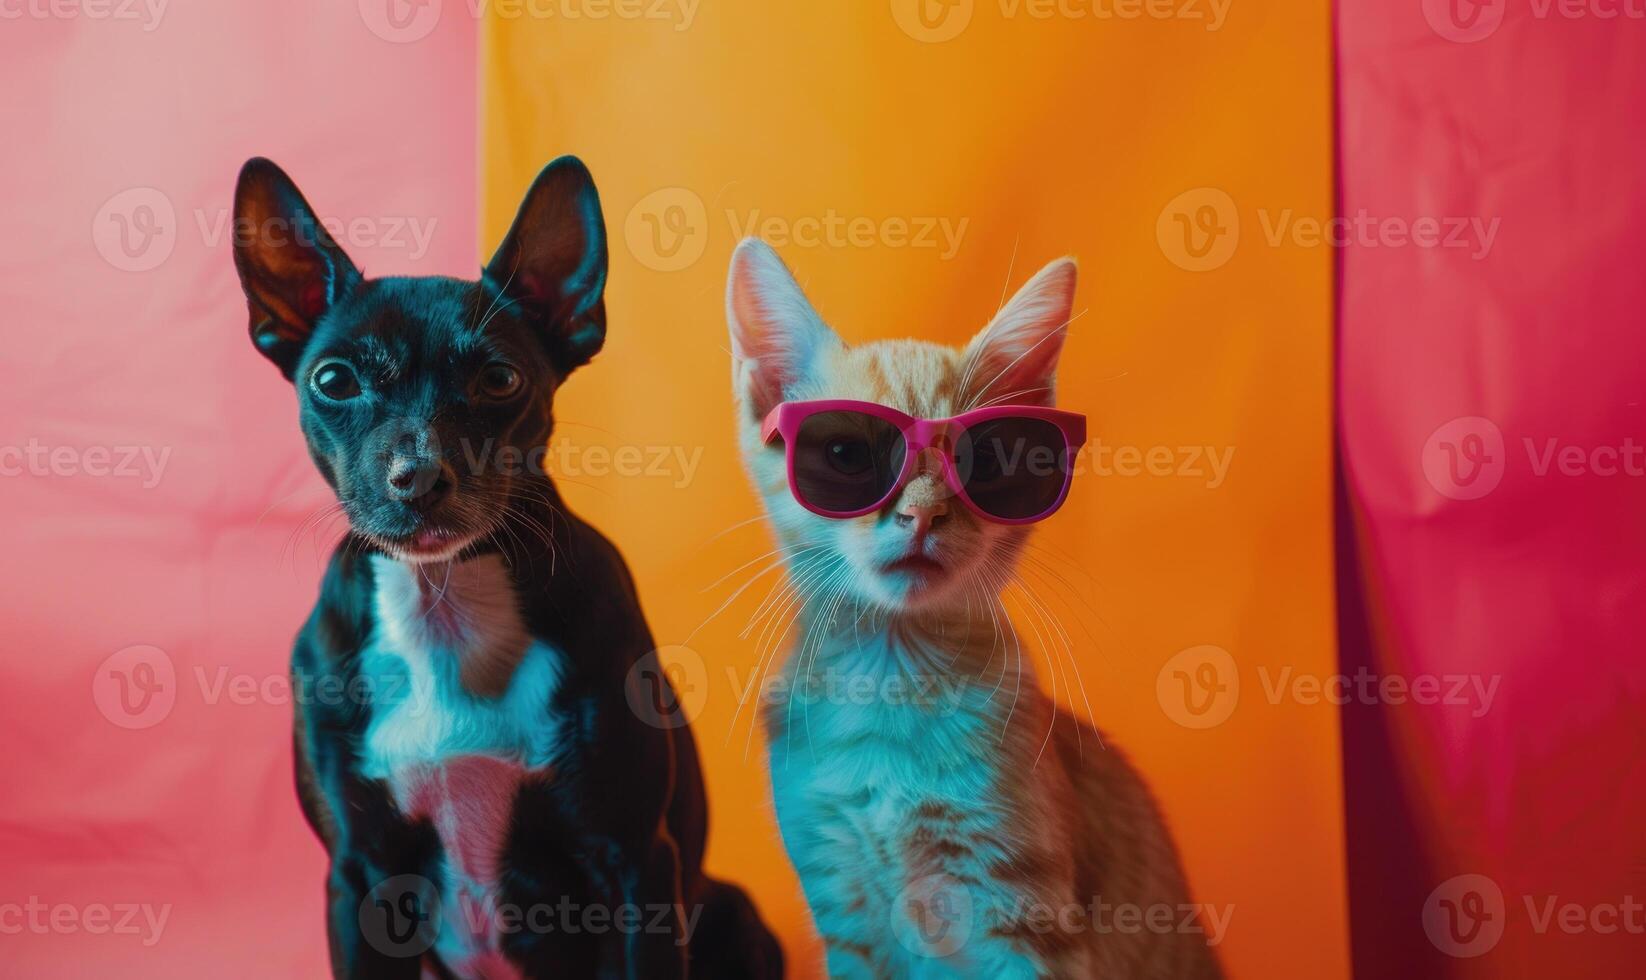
x=462, y=716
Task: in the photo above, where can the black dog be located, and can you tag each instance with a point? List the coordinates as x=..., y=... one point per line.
x=478, y=743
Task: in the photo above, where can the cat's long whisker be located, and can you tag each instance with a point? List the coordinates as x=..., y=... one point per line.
x=1010, y=396
x=764, y=660
x=779, y=588
x=838, y=583
x=797, y=601
x=784, y=551
x=1035, y=560
x=764, y=657
x=1068, y=650
x=802, y=586
x=1068, y=638
x=740, y=524
x=1056, y=672
x=797, y=575
x=990, y=590
x=1002, y=617
x=760, y=661
x=1049, y=576
x=1047, y=551
x=989, y=604
x=757, y=576
x=761, y=667
x=975, y=588
x=1001, y=569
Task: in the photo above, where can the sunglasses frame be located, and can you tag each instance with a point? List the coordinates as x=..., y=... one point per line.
x=920, y=435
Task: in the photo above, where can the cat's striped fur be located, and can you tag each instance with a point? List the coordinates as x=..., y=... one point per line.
x=945, y=819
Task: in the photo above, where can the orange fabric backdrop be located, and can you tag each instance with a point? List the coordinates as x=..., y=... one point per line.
x=842, y=132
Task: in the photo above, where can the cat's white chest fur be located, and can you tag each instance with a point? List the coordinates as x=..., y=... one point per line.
x=867, y=772
x=434, y=628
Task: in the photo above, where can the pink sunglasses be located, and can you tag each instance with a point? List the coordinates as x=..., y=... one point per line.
x=1011, y=464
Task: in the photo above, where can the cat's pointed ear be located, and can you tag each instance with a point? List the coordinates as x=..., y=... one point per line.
x=553, y=262
x=1014, y=359
x=290, y=268
x=776, y=335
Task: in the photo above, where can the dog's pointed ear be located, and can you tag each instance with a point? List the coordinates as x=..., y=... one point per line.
x=290, y=268
x=552, y=262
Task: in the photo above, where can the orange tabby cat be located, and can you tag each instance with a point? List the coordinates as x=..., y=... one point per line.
x=945, y=820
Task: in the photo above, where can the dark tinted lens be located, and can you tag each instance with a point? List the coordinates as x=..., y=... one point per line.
x=846, y=461
x=1012, y=468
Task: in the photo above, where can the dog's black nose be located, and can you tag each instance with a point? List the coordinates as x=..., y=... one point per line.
x=420, y=482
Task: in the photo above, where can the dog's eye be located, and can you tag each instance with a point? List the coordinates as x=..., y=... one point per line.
x=335, y=381
x=498, y=381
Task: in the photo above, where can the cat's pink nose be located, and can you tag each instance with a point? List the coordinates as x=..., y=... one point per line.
x=922, y=516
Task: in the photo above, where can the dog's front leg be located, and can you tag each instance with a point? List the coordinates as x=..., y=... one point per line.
x=659, y=948
x=373, y=937
x=649, y=922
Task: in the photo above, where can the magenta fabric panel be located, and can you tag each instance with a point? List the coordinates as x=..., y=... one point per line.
x=153, y=483
x=1493, y=419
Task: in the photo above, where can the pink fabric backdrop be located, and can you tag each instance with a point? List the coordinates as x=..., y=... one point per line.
x=1465, y=555
x=125, y=328
x=153, y=487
